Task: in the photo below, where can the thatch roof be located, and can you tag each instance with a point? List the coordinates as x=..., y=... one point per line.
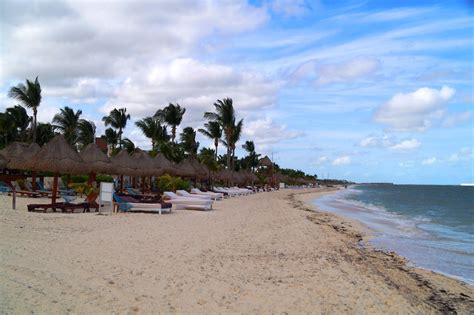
x=96, y=160
x=164, y=165
x=144, y=165
x=123, y=163
x=3, y=161
x=18, y=153
x=185, y=168
x=201, y=170
x=224, y=175
x=57, y=156
x=266, y=161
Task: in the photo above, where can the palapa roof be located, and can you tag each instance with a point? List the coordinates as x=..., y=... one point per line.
x=164, y=165
x=201, y=170
x=18, y=153
x=123, y=163
x=96, y=160
x=185, y=168
x=144, y=164
x=224, y=174
x=266, y=161
x=57, y=156
x=3, y=161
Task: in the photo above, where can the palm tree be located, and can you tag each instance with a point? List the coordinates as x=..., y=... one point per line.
x=21, y=119
x=172, y=115
x=128, y=145
x=66, y=122
x=225, y=116
x=252, y=158
x=236, y=133
x=152, y=128
x=7, y=128
x=111, y=137
x=213, y=131
x=118, y=120
x=29, y=95
x=45, y=133
x=188, y=141
x=86, y=132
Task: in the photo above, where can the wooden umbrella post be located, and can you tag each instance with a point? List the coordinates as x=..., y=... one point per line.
x=55, y=189
x=33, y=180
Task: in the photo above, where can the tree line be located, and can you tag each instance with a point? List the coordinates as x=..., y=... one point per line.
x=222, y=127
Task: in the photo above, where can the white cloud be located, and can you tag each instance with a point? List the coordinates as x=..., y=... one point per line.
x=196, y=86
x=406, y=145
x=456, y=119
x=464, y=154
x=390, y=142
x=347, y=71
x=414, y=111
x=376, y=141
x=342, y=160
x=265, y=132
x=429, y=161
x=110, y=40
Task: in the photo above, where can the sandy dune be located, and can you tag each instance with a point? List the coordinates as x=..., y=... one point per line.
x=259, y=253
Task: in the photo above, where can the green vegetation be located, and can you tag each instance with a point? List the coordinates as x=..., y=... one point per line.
x=222, y=127
x=170, y=183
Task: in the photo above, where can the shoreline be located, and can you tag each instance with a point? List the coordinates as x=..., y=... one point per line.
x=369, y=233
x=362, y=234
x=252, y=254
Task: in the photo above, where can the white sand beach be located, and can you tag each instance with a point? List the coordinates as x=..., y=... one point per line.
x=264, y=253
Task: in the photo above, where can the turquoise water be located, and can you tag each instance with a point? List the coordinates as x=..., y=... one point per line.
x=432, y=226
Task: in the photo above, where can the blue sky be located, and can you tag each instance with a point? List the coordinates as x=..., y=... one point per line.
x=363, y=90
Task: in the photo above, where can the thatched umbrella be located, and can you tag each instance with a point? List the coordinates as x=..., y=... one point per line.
x=18, y=154
x=3, y=161
x=123, y=165
x=200, y=171
x=96, y=161
x=145, y=166
x=185, y=169
x=57, y=156
x=163, y=165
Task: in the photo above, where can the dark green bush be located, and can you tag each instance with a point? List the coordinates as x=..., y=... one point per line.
x=104, y=178
x=169, y=183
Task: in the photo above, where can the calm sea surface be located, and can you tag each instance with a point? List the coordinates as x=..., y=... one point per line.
x=432, y=226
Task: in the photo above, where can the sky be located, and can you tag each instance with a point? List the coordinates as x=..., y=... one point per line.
x=369, y=91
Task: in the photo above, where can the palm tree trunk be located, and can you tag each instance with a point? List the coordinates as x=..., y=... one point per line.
x=173, y=133
x=216, y=143
x=35, y=112
x=120, y=139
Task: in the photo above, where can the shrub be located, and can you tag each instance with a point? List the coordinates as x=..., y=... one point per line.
x=75, y=179
x=169, y=183
x=104, y=178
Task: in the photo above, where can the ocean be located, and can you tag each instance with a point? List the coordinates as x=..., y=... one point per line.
x=432, y=226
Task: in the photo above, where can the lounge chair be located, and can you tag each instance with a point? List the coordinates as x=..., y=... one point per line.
x=184, y=193
x=43, y=193
x=129, y=204
x=187, y=202
x=215, y=196
x=4, y=188
x=23, y=192
x=63, y=206
x=225, y=191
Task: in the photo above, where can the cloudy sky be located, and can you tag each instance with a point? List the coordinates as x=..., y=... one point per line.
x=363, y=90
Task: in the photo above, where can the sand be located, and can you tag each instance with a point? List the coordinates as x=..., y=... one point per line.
x=264, y=253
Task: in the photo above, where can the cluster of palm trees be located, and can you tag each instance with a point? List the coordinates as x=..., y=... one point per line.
x=222, y=127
